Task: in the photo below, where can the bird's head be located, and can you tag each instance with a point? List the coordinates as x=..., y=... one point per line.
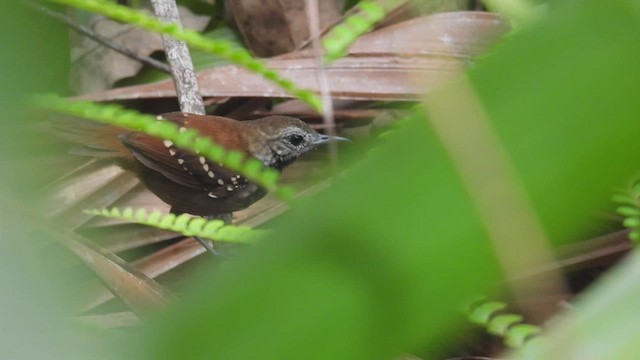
x=278, y=141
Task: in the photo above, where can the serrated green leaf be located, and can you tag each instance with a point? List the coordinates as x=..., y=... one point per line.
x=154, y=217
x=181, y=221
x=624, y=199
x=500, y=324
x=519, y=334
x=212, y=227
x=127, y=213
x=270, y=176
x=628, y=211
x=631, y=222
x=202, y=144
x=252, y=167
x=141, y=215
x=167, y=221
x=481, y=314
x=234, y=158
x=196, y=225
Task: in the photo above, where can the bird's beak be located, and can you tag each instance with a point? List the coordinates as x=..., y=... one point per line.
x=323, y=139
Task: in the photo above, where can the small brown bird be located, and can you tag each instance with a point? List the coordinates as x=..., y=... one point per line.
x=186, y=181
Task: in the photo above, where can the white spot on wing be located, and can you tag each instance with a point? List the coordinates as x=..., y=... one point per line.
x=168, y=143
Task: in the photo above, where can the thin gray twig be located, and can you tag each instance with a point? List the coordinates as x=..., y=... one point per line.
x=182, y=70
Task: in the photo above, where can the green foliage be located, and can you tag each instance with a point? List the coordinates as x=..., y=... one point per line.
x=506, y=325
x=35, y=291
x=630, y=209
x=378, y=264
x=219, y=47
x=559, y=117
x=190, y=139
x=341, y=36
x=601, y=325
x=387, y=275
x=185, y=224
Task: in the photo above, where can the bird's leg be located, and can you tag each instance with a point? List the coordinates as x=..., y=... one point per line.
x=208, y=245
x=227, y=218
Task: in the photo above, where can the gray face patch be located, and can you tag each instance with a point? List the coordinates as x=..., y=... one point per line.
x=282, y=140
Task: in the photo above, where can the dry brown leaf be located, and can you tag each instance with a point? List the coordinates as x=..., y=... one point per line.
x=95, y=67
x=177, y=254
x=102, y=197
x=78, y=185
x=124, y=237
x=274, y=27
x=381, y=65
x=141, y=294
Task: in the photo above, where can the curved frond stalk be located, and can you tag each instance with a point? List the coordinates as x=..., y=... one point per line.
x=190, y=139
x=184, y=224
x=368, y=14
x=221, y=48
x=510, y=327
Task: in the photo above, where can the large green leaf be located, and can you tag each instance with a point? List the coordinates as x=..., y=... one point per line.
x=563, y=97
x=381, y=260
x=603, y=325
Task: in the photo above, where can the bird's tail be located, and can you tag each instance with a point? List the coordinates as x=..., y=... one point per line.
x=91, y=138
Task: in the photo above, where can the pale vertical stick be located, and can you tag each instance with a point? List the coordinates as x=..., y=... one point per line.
x=184, y=75
x=313, y=21
x=496, y=191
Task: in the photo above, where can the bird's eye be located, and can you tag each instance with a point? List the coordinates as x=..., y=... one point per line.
x=295, y=139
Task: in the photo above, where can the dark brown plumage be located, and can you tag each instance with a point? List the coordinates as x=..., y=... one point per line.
x=186, y=181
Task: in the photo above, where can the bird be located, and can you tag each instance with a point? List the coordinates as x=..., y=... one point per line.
x=186, y=181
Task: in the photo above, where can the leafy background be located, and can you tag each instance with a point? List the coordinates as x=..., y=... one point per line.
x=396, y=246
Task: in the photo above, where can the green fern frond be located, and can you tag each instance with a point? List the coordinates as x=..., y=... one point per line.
x=508, y=326
x=190, y=139
x=630, y=209
x=222, y=48
x=185, y=224
x=368, y=14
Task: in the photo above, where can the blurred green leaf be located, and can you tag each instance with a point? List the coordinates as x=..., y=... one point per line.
x=603, y=325
x=379, y=263
x=36, y=301
x=563, y=98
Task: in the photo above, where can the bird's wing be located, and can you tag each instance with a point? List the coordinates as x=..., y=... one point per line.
x=184, y=167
